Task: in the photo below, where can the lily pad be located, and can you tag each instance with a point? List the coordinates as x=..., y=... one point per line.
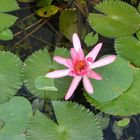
x=91, y=39
x=6, y=35
x=17, y=111
x=124, y=122
x=68, y=27
x=72, y=120
x=10, y=75
x=116, y=19
x=125, y=105
x=6, y=21
x=38, y=65
x=117, y=78
x=129, y=49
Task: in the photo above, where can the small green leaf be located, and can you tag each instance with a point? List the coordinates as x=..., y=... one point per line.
x=6, y=21
x=123, y=122
x=116, y=19
x=74, y=122
x=91, y=39
x=6, y=35
x=43, y=83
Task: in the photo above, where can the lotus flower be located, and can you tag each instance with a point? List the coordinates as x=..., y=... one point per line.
x=80, y=67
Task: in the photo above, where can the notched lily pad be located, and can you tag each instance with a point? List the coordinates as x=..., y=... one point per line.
x=72, y=120
x=10, y=75
x=38, y=65
x=129, y=49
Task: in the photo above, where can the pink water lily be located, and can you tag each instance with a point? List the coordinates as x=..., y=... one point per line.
x=80, y=66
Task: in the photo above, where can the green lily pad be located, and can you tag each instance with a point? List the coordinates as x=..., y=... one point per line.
x=16, y=114
x=38, y=65
x=91, y=39
x=125, y=105
x=117, y=78
x=124, y=122
x=6, y=21
x=129, y=49
x=6, y=35
x=72, y=120
x=8, y=5
x=68, y=27
x=10, y=75
x=117, y=19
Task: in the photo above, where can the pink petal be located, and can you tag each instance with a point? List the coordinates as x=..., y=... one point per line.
x=74, y=55
x=76, y=42
x=76, y=80
x=81, y=54
x=61, y=60
x=69, y=63
x=94, y=75
x=58, y=73
x=87, y=85
x=103, y=61
x=94, y=52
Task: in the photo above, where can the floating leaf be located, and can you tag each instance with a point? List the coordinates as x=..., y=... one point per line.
x=129, y=49
x=117, y=19
x=6, y=35
x=68, y=27
x=47, y=11
x=117, y=78
x=125, y=105
x=91, y=39
x=17, y=111
x=10, y=75
x=43, y=83
x=123, y=122
x=8, y=6
x=6, y=21
x=72, y=120
x=38, y=65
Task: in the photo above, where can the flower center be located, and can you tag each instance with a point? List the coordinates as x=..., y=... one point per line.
x=79, y=66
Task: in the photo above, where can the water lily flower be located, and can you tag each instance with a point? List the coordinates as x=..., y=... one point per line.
x=80, y=66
